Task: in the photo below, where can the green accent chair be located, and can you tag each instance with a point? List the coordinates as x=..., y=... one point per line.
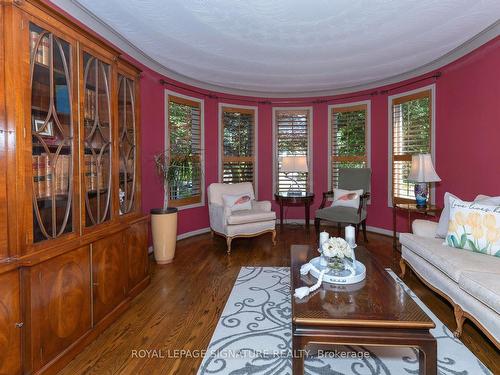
x=349, y=179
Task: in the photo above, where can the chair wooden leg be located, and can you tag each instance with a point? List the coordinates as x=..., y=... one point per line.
x=357, y=232
x=274, y=237
x=364, y=230
x=228, y=241
x=402, y=265
x=459, y=318
x=317, y=223
x=339, y=229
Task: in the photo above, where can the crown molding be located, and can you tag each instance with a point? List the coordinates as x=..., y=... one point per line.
x=84, y=15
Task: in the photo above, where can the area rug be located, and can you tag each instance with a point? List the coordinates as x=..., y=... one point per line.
x=253, y=336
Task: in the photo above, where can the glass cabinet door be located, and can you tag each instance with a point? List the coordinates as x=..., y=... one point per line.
x=97, y=140
x=52, y=131
x=127, y=143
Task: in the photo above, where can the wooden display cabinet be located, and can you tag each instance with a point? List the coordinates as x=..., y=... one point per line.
x=73, y=246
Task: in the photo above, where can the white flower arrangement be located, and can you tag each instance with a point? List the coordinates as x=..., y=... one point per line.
x=337, y=247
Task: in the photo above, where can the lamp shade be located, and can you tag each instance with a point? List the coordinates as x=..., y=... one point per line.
x=294, y=164
x=422, y=169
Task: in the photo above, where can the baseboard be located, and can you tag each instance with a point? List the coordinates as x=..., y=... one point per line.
x=193, y=233
x=295, y=221
x=196, y=232
x=383, y=231
x=369, y=228
x=185, y=235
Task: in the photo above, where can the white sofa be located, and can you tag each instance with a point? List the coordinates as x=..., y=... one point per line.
x=258, y=220
x=470, y=281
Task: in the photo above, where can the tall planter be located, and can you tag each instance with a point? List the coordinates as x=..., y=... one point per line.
x=164, y=231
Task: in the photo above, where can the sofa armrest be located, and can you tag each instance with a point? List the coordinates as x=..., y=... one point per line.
x=424, y=228
x=261, y=205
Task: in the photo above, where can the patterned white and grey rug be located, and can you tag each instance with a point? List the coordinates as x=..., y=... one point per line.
x=253, y=336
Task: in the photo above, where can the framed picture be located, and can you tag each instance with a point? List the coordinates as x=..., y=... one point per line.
x=48, y=131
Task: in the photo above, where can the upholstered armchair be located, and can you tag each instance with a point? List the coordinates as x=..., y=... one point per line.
x=349, y=179
x=256, y=220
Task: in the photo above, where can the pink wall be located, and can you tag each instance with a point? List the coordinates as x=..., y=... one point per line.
x=467, y=132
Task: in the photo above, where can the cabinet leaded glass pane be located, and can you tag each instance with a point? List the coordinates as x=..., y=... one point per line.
x=52, y=134
x=127, y=143
x=97, y=140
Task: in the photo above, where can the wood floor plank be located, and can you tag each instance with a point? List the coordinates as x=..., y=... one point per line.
x=183, y=304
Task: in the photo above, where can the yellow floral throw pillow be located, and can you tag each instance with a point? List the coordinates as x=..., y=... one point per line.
x=474, y=226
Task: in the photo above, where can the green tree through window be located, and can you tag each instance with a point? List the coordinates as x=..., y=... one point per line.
x=411, y=125
x=238, y=161
x=185, y=151
x=349, y=141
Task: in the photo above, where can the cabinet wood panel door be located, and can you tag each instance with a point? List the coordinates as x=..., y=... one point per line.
x=60, y=303
x=136, y=239
x=109, y=276
x=10, y=324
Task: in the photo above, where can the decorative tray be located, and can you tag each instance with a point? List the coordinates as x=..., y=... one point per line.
x=345, y=277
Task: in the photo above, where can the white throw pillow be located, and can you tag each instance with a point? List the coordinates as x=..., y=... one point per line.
x=474, y=226
x=442, y=228
x=346, y=198
x=487, y=200
x=237, y=202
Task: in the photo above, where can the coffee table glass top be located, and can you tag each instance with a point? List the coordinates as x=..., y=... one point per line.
x=377, y=301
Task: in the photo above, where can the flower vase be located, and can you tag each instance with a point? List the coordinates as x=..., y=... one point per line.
x=337, y=265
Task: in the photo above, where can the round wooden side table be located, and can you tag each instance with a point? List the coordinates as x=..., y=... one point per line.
x=295, y=199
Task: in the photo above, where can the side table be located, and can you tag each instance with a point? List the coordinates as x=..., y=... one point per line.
x=294, y=199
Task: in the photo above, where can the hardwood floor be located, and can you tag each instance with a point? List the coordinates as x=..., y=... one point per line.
x=181, y=307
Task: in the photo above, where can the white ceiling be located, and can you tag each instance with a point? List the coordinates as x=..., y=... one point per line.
x=294, y=46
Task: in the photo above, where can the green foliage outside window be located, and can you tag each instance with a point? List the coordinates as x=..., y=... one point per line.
x=180, y=166
x=350, y=133
x=412, y=135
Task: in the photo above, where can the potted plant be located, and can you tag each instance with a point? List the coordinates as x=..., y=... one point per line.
x=176, y=174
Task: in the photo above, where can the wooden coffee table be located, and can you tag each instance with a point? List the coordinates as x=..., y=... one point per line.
x=374, y=312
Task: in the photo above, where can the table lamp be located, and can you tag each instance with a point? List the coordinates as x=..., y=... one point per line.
x=422, y=172
x=294, y=164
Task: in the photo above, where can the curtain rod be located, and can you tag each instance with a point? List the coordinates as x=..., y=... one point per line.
x=435, y=76
x=316, y=101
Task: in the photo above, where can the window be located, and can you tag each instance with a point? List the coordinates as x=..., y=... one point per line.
x=184, y=140
x=349, y=138
x=238, y=147
x=292, y=134
x=412, y=127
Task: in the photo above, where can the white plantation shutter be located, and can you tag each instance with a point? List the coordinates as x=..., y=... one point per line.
x=349, y=139
x=185, y=147
x=411, y=130
x=238, y=145
x=292, y=139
